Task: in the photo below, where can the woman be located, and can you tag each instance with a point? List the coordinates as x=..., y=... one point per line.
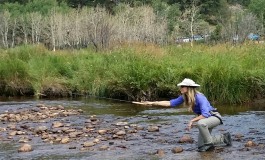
x=207, y=118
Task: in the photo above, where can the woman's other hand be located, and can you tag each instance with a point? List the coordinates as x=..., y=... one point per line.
x=190, y=125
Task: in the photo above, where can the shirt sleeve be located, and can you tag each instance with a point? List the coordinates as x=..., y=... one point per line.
x=204, y=106
x=177, y=101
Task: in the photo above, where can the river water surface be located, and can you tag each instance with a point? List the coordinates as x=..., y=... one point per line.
x=245, y=123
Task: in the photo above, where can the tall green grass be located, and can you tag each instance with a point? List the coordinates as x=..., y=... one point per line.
x=227, y=74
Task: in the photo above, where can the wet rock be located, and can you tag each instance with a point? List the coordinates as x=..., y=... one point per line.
x=60, y=107
x=58, y=139
x=25, y=117
x=68, y=130
x=93, y=118
x=185, y=139
x=121, y=123
x=96, y=140
x=89, y=144
x=69, y=113
x=140, y=128
x=18, y=118
x=12, y=126
x=88, y=121
x=72, y=147
x=24, y=140
x=13, y=133
x=253, y=131
x=161, y=140
x=103, y=148
x=24, y=126
x=20, y=133
x=102, y=131
x=121, y=146
x=75, y=134
x=239, y=136
x=2, y=129
x=132, y=131
x=57, y=124
x=145, y=116
x=90, y=126
x=244, y=149
x=177, y=150
x=25, y=148
x=218, y=149
x=261, y=146
x=160, y=152
x=133, y=125
x=153, y=128
x=120, y=133
x=65, y=140
x=45, y=136
x=40, y=129
x=40, y=105
x=35, y=109
x=67, y=125
x=250, y=144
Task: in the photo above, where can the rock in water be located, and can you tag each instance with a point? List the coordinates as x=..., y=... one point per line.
x=25, y=148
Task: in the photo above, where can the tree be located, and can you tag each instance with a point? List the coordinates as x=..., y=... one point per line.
x=5, y=19
x=190, y=18
x=14, y=1
x=23, y=25
x=240, y=24
x=258, y=8
x=241, y=2
x=216, y=35
x=211, y=9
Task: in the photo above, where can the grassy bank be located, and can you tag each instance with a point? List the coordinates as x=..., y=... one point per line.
x=227, y=74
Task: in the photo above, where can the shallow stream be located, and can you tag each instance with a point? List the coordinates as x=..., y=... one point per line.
x=245, y=123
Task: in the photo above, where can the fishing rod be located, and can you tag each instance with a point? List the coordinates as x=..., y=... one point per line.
x=89, y=95
x=113, y=99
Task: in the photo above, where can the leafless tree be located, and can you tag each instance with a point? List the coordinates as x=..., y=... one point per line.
x=239, y=26
x=81, y=27
x=100, y=28
x=36, y=27
x=190, y=17
x=52, y=28
x=23, y=27
x=4, y=27
x=139, y=25
x=13, y=28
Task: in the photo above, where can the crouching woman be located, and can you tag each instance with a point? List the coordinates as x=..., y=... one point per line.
x=208, y=116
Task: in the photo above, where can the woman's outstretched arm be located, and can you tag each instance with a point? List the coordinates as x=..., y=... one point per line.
x=154, y=103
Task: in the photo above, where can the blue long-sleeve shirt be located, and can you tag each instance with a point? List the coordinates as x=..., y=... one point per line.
x=202, y=105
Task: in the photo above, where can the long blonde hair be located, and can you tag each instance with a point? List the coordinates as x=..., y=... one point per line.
x=189, y=98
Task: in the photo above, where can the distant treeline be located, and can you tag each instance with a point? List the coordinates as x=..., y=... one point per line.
x=107, y=23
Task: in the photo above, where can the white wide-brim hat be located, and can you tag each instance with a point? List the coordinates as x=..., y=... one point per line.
x=188, y=82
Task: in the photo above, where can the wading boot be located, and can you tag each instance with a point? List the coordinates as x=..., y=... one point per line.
x=206, y=147
x=227, y=139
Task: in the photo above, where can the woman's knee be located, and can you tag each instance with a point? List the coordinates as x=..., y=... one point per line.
x=201, y=123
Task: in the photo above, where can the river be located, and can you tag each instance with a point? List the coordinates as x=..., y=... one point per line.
x=245, y=123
